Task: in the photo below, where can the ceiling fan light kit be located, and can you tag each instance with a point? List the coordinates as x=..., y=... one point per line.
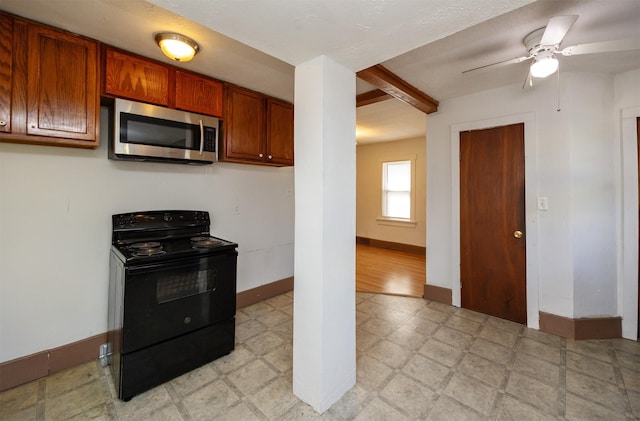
x=544, y=64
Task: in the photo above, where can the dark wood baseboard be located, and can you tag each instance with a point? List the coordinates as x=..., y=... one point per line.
x=409, y=248
x=581, y=328
x=25, y=369
x=255, y=295
x=41, y=364
x=439, y=294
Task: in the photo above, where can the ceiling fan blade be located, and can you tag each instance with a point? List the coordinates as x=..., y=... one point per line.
x=557, y=28
x=602, y=47
x=500, y=63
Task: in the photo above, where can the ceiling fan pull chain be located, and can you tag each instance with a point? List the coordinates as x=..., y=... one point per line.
x=558, y=87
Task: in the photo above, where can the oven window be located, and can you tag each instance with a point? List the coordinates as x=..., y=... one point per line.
x=180, y=285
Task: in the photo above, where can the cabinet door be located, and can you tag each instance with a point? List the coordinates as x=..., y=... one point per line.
x=62, y=85
x=279, y=132
x=244, y=126
x=132, y=77
x=6, y=61
x=198, y=94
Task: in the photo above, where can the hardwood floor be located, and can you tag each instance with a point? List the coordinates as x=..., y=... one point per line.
x=387, y=271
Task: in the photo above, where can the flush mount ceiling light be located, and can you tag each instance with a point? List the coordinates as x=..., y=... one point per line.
x=544, y=65
x=177, y=47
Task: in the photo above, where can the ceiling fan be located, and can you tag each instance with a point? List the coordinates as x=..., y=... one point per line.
x=544, y=44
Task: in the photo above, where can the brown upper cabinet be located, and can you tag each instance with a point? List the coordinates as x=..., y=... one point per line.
x=130, y=76
x=133, y=77
x=198, y=94
x=257, y=129
x=49, y=85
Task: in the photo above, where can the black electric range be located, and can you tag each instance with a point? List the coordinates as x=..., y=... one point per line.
x=172, y=297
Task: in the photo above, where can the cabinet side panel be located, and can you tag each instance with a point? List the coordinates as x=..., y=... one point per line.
x=6, y=67
x=19, y=74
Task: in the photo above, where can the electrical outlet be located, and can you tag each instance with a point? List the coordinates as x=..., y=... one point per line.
x=236, y=210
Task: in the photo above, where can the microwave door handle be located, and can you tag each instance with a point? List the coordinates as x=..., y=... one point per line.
x=201, y=137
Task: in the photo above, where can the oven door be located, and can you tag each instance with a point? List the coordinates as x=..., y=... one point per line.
x=168, y=299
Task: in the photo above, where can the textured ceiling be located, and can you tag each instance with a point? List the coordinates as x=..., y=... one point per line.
x=255, y=43
x=355, y=33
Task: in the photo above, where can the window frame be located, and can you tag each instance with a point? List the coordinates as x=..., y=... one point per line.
x=399, y=222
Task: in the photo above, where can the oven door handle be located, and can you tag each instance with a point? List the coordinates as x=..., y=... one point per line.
x=201, y=137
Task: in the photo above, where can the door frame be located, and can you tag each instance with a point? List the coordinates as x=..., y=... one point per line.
x=531, y=213
x=628, y=229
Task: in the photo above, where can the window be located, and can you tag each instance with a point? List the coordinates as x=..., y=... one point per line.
x=396, y=190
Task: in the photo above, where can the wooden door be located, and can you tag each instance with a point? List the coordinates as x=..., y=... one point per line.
x=244, y=126
x=492, y=222
x=62, y=87
x=638, y=149
x=279, y=132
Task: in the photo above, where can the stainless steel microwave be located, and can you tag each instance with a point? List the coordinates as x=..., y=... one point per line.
x=145, y=132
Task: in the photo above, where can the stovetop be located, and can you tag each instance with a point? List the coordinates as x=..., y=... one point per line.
x=174, y=248
x=152, y=236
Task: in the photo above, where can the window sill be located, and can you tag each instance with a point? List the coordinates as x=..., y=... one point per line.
x=395, y=222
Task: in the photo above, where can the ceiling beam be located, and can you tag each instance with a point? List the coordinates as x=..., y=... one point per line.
x=371, y=97
x=383, y=79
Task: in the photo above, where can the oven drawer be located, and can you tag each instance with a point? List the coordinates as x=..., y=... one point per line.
x=168, y=299
x=141, y=370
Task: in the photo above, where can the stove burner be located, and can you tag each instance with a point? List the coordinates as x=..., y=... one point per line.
x=150, y=248
x=204, y=242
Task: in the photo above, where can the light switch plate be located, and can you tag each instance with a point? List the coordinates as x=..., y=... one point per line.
x=543, y=203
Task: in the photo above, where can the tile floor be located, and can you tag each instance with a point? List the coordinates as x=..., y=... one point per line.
x=416, y=359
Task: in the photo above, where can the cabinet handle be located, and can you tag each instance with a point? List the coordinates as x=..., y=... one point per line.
x=270, y=157
x=261, y=155
x=201, y=137
x=3, y=123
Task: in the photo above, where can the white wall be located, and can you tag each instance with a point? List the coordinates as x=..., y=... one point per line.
x=593, y=208
x=574, y=165
x=627, y=111
x=369, y=158
x=55, y=231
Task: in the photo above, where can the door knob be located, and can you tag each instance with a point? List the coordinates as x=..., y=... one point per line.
x=517, y=234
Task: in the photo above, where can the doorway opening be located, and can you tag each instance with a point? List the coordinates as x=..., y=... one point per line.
x=391, y=217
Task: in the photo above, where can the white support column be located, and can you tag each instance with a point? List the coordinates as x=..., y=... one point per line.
x=324, y=358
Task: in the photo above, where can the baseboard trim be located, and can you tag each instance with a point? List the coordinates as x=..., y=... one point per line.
x=581, y=328
x=32, y=367
x=75, y=353
x=409, y=248
x=23, y=370
x=263, y=292
x=41, y=364
x=436, y=293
